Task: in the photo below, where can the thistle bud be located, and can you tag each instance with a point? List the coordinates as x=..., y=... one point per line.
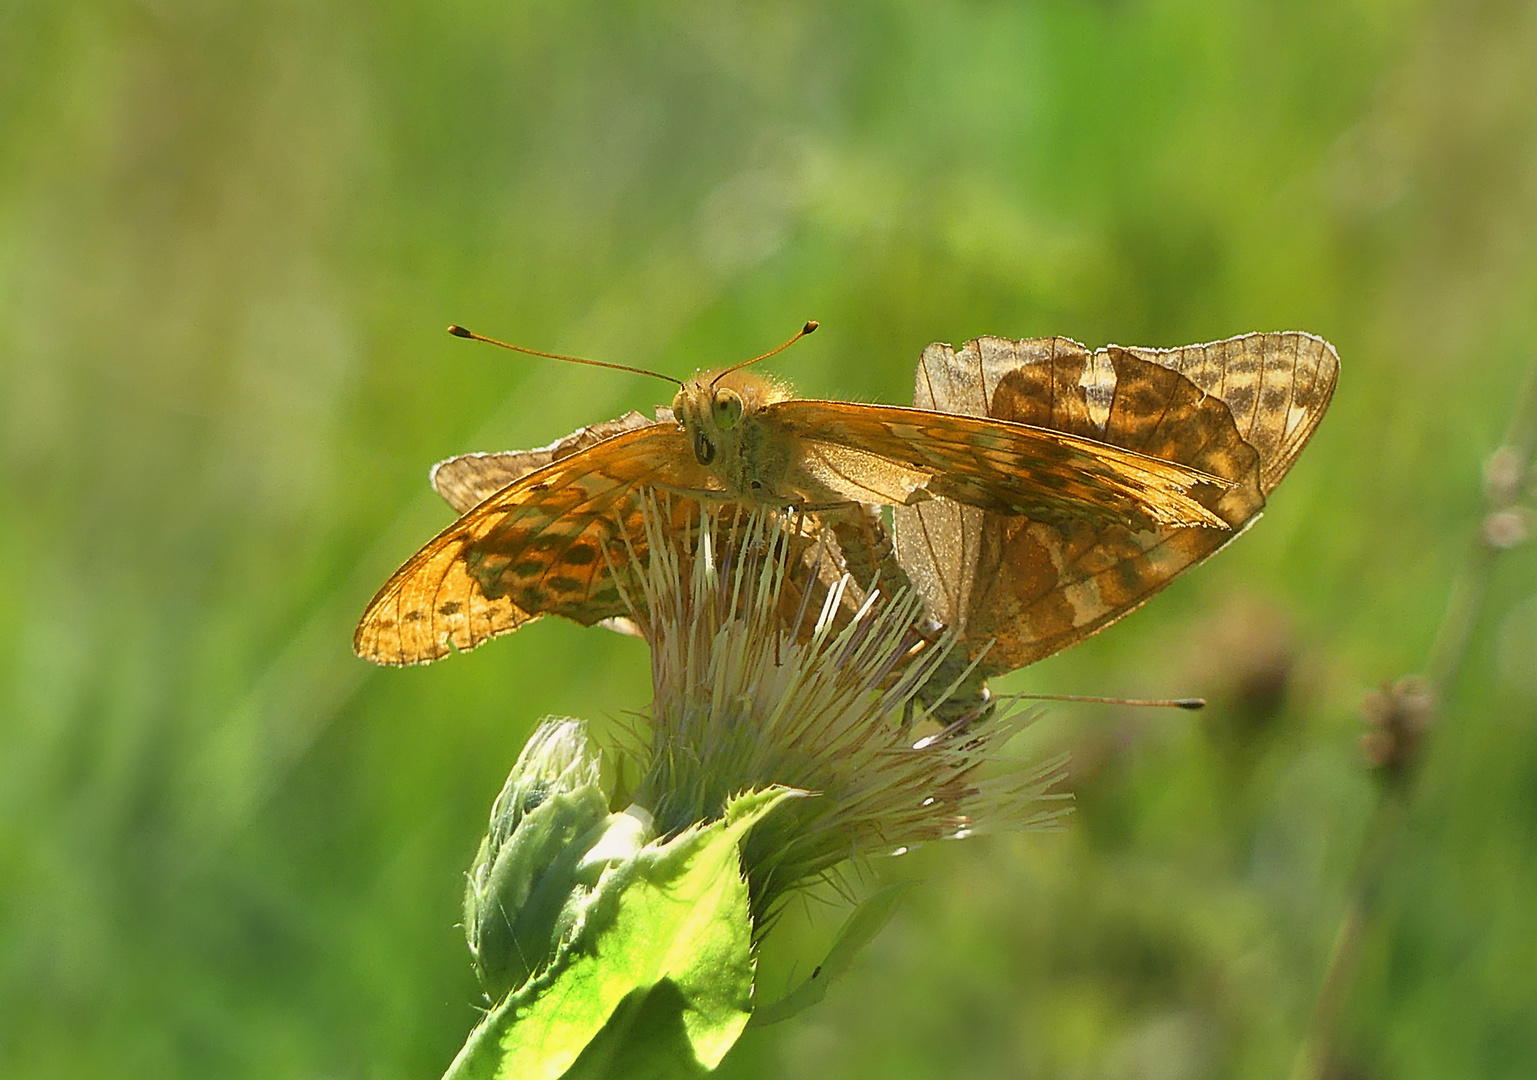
x=525, y=879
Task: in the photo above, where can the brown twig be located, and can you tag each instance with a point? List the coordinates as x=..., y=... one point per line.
x=1402, y=713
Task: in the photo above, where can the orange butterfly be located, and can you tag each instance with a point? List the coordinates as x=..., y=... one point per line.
x=552, y=528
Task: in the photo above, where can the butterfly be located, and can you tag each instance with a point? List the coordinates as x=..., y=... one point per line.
x=1017, y=588
x=556, y=531
x=815, y=559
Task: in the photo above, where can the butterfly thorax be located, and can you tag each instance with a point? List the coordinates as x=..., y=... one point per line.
x=721, y=412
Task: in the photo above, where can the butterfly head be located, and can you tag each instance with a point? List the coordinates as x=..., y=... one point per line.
x=715, y=407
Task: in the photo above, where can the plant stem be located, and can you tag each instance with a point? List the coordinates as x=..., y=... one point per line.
x=1508, y=471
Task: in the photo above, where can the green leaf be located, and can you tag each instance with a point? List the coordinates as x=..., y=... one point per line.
x=672, y=913
x=862, y=924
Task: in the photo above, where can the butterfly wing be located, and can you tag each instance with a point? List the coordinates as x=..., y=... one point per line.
x=1024, y=588
x=470, y=479
x=883, y=453
x=1276, y=386
x=564, y=539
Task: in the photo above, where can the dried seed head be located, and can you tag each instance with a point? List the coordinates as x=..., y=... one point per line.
x=1397, y=717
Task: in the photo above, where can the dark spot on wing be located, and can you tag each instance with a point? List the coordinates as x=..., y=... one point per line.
x=580, y=555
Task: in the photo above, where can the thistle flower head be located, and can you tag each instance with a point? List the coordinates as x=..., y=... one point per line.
x=775, y=675
x=769, y=669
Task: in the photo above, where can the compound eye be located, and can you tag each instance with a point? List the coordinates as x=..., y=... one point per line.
x=728, y=409
x=704, y=449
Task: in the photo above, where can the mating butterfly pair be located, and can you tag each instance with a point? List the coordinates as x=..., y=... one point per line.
x=1042, y=491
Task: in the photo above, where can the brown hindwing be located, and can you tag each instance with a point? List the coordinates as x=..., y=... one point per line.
x=1023, y=588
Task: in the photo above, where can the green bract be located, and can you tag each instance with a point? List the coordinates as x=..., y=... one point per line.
x=518, y=893
x=664, y=935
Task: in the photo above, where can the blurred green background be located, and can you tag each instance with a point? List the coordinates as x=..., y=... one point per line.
x=230, y=238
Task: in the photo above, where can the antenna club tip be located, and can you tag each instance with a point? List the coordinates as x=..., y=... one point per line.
x=458, y=331
x=1191, y=703
x=811, y=325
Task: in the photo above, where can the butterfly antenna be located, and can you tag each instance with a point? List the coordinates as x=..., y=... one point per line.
x=1162, y=703
x=810, y=327
x=459, y=331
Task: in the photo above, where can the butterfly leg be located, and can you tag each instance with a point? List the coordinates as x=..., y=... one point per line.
x=953, y=695
x=865, y=544
x=956, y=697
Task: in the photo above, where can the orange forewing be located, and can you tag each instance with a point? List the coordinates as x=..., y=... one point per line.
x=470, y=479
x=548, y=543
x=997, y=464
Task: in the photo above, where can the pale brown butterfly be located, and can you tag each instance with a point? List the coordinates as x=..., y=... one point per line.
x=551, y=540
x=1017, y=588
